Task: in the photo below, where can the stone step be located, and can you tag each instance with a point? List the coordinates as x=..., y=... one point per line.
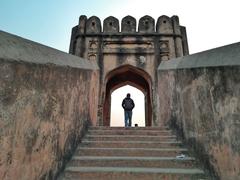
x=130, y=144
x=130, y=132
x=119, y=161
x=129, y=138
x=142, y=153
x=151, y=152
x=130, y=173
x=128, y=128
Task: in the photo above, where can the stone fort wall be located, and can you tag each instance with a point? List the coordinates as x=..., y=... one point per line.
x=47, y=98
x=165, y=27
x=199, y=97
x=139, y=48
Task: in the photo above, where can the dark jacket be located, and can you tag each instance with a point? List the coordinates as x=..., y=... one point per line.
x=128, y=104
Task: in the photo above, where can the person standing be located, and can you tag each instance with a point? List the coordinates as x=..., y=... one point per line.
x=128, y=105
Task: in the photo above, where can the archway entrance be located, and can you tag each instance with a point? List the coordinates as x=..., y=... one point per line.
x=128, y=75
x=117, y=113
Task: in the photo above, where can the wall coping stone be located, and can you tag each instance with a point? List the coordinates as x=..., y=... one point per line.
x=15, y=48
x=228, y=55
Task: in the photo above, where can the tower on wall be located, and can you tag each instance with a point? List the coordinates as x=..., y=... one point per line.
x=128, y=56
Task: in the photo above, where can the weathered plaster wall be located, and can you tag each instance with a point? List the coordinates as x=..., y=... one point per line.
x=47, y=98
x=199, y=96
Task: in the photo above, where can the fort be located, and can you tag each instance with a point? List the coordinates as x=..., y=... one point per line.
x=51, y=100
x=128, y=56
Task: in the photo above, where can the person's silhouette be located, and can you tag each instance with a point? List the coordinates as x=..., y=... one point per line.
x=128, y=105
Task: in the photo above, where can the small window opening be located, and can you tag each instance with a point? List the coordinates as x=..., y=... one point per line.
x=93, y=23
x=128, y=22
x=164, y=21
x=110, y=24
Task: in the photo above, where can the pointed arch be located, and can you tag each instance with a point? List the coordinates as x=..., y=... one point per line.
x=133, y=76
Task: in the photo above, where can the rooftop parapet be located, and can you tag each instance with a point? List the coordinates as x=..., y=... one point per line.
x=146, y=25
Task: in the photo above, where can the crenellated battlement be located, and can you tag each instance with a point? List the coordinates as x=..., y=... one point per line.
x=93, y=38
x=111, y=25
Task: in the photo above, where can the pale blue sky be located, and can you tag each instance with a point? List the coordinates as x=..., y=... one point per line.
x=210, y=23
x=46, y=21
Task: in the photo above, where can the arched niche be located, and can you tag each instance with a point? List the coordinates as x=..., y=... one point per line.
x=128, y=75
x=146, y=24
x=164, y=25
x=128, y=24
x=93, y=25
x=111, y=25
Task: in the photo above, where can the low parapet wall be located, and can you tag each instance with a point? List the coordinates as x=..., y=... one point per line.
x=47, y=97
x=199, y=96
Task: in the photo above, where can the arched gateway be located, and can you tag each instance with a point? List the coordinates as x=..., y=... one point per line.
x=132, y=76
x=130, y=56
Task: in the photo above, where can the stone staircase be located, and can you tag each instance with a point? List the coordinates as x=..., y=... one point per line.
x=114, y=153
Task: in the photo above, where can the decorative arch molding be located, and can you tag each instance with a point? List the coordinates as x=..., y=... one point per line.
x=128, y=75
x=131, y=84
